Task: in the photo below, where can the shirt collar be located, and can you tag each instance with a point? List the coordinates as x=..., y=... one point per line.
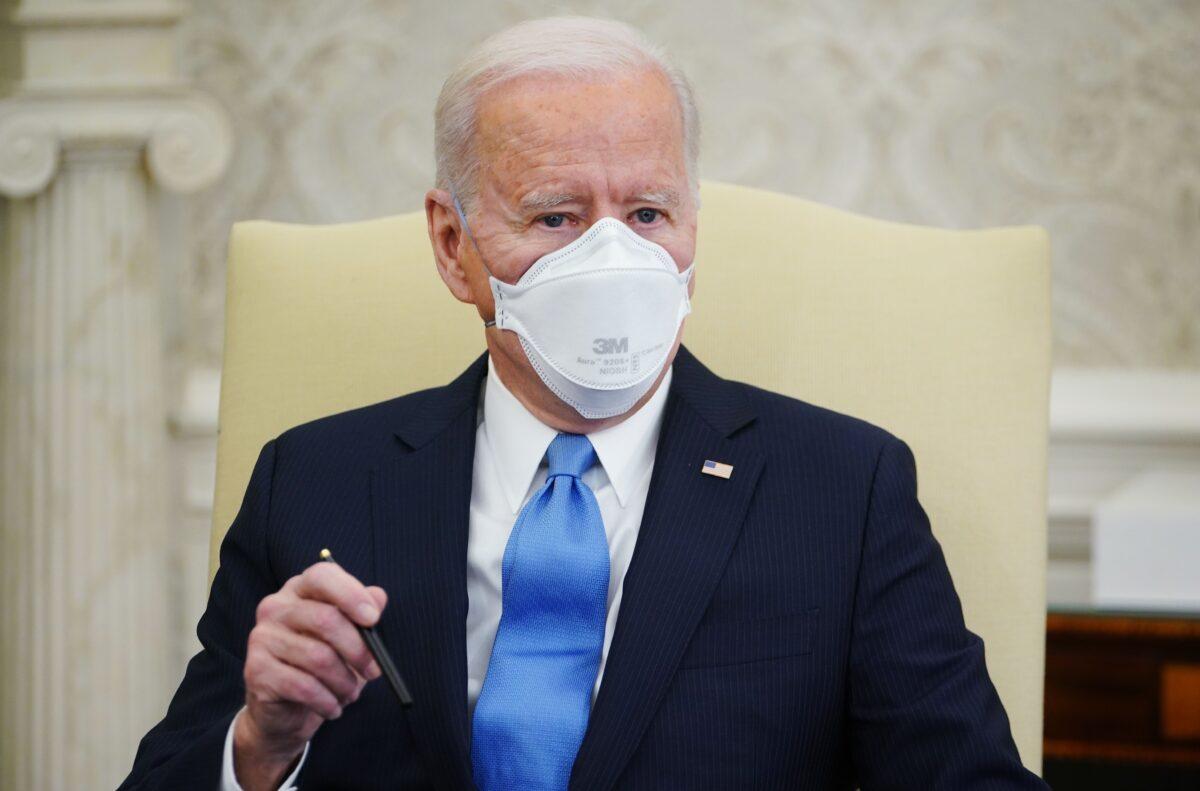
x=518, y=441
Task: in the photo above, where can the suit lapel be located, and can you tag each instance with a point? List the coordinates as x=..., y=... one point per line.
x=420, y=509
x=688, y=529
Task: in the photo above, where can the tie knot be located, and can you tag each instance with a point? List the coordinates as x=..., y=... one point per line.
x=570, y=454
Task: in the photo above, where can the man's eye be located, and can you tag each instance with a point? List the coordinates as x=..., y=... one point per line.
x=554, y=220
x=647, y=216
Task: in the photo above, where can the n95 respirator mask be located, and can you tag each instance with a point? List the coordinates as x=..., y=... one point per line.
x=596, y=318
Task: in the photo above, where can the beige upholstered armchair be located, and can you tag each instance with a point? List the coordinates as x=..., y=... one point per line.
x=942, y=337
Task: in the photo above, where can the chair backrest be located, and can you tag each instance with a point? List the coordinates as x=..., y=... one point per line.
x=942, y=337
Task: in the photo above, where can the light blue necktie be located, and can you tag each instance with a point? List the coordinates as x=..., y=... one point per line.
x=533, y=709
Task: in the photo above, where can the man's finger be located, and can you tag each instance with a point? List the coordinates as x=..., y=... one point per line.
x=313, y=656
x=330, y=625
x=329, y=582
x=280, y=682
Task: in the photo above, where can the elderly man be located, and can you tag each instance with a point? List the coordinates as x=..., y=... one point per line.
x=598, y=564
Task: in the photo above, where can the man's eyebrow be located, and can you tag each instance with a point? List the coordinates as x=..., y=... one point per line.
x=541, y=201
x=544, y=201
x=662, y=197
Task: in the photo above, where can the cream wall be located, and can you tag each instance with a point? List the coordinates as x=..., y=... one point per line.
x=1082, y=116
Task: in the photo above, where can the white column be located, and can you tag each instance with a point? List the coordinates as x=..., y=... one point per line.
x=85, y=580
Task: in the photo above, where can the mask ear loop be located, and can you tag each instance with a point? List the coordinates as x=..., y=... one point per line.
x=462, y=217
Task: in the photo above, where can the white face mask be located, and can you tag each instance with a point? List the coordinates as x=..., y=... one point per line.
x=596, y=318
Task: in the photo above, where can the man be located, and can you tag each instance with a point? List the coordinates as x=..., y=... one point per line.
x=570, y=597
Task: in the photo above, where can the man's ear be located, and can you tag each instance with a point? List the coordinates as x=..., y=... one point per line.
x=449, y=243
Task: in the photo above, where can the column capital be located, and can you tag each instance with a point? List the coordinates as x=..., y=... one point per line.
x=99, y=73
x=187, y=137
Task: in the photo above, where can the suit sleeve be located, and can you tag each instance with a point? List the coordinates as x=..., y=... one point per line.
x=923, y=711
x=185, y=749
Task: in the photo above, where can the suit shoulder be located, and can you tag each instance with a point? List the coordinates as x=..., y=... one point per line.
x=363, y=429
x=786, y=420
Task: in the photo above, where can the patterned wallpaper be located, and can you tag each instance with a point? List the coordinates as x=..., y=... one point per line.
x=1079, y=115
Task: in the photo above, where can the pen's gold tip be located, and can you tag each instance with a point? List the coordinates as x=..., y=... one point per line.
x=326, y=554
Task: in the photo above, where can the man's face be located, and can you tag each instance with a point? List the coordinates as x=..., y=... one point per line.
x=556, y=155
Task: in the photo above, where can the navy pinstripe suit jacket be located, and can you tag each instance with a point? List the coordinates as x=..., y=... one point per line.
x=794, y=626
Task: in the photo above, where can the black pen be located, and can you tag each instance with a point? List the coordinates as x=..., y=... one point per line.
x=375, y=646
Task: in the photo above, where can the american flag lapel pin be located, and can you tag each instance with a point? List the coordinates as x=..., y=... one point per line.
x=717, y=468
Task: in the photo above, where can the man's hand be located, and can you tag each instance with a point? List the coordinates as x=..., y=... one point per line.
x=305, y=662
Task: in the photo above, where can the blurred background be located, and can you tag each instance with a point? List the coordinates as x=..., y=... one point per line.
x=134, y=132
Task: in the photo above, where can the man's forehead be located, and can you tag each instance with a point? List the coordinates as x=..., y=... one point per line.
x=546, y=139
x=549, y=142
x=535, y=102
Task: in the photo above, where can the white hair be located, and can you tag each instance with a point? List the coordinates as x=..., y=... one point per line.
x=572, y=46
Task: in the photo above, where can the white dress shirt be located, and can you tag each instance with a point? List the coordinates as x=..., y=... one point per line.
x=510, y=466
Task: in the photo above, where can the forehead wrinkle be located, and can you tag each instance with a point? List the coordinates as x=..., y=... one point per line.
x=533, y=129
x=540, y=154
